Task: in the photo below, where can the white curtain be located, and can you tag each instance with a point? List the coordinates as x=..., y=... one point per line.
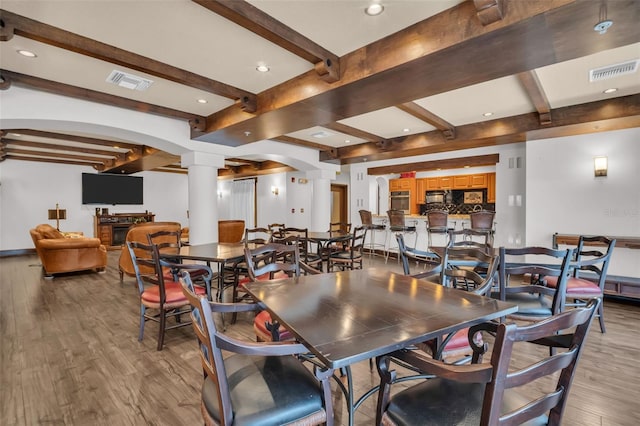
x=243, y=195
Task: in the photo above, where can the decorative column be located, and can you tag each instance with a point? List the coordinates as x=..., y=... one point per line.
x=203, y=200
x=321, y=199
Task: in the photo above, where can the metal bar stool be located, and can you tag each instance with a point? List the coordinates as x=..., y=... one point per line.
x=367, y=221
x=397, y=225
x=437, y=223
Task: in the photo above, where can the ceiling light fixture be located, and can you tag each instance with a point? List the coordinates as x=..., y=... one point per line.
x=405, y=130
x=27, y=53
x=262, y=68
x=487, y=114
x=202, y=101
x=611, y=90
x=347, y=141
x=374, y=9
x=603, y=23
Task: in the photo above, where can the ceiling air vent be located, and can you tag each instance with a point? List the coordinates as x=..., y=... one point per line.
x=128, y=81
x=611, y=71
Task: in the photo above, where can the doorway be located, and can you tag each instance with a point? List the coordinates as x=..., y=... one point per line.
x=339, y=209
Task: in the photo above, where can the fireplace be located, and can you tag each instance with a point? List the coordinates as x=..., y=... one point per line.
x=119, y=234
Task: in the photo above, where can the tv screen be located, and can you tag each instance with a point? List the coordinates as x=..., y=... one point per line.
x=111, y=189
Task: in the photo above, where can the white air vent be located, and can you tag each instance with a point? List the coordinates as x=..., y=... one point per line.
x=611, y=71
x=128, y=81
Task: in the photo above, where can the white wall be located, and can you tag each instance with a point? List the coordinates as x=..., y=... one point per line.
x=564, y=196
x=29, y=189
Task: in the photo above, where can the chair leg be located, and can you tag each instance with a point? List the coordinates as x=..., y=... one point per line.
x=163, y=321
x=142, y=321
x=601, y=317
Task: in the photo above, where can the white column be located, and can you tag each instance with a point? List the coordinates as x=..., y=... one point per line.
x=203, y=195
x=321, y=199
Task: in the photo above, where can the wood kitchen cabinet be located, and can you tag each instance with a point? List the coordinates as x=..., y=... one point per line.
x=491, y=187
x=445, y=182
x=421, y=188
x=432, y=183
x=461, y=182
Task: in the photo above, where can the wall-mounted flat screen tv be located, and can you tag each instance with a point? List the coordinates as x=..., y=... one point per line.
x=102, y=188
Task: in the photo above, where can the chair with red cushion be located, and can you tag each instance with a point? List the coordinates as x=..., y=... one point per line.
x=581, y=286
x=160, y=298
x=254, y=383
x=460, y=266
x=499, y=392
x=268, y=262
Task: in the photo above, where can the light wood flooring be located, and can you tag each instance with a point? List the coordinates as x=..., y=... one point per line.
x=70, y=356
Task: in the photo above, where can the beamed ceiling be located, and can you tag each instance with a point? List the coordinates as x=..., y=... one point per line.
x=415, y=80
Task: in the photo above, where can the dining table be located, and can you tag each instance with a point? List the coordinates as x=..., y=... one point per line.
x=323, y=240
x=221, y=254
x=351, y=316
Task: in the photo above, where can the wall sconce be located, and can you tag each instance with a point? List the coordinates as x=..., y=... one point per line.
x=57, y=214
x=275, y=191
x=600, y=166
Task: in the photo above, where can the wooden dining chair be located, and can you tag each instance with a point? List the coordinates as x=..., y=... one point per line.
x=300, y=236
x=348, y=256
x=161, y=297
x=431, y=263
x=489, y=394
x=437, y=223
x=589, y=273
x=522, y=274
x=258, y=384
x=268, y=262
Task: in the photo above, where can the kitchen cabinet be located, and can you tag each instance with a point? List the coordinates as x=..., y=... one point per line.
x=421, y=188
x=432, y=183
x=445, y=182
x=461, y=182
x=402, y=184
x=491, y=187
x=478, y=180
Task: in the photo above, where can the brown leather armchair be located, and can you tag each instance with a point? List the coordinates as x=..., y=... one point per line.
x=60, y=254
x=138, y=233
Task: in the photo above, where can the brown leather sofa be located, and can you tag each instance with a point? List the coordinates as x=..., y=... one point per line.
x=139, y=233
x=60, y=254
x=230, y=231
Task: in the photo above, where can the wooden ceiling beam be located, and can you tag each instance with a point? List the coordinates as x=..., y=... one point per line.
x=51, y=160
x=424, y=60
x=266, y=167
x=196, y=122
x=327, y=64
x=56, y=155
x=607, y=115
x=489, y=11
x=352, y=131
x=48, y=34
x=535, y=91
x=447, y=129
x=145, y=159
x=59, y=147
x=72, y=138
x=449, y=163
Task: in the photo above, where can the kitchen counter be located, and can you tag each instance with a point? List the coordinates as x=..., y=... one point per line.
x=424, y=217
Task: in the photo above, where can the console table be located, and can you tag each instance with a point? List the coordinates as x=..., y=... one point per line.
x=112, y=228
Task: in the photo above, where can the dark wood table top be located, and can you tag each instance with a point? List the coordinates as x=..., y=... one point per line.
x=326, y=236
x=349, y=316
x=211, y=252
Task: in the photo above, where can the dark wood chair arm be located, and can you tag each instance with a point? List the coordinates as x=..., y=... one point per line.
x=259, y=348
x=471, y=373
x=309, y=269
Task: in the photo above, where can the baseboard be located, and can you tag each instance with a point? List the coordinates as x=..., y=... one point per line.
x=19, y=252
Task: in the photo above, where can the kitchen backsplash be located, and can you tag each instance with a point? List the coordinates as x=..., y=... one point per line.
x=458, y=205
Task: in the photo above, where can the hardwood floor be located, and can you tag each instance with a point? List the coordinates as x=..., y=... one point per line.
x=70, y=355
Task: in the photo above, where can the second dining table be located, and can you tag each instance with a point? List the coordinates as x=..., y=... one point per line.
x=351, y=316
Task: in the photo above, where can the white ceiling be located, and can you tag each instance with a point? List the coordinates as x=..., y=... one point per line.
x=186, y=35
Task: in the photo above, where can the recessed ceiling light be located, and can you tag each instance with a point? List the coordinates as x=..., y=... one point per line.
x=374, y=9
x=347, y=141
x=27, y=53
x=466, y=167
x=321, y=134
x=17, y=135
x=262, y=68
x=405, y=130
x=487, y=114
x=202, y=101
x=611, y=90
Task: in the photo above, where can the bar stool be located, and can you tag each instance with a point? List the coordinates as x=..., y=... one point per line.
x=397, y=225
x=437, y=223
x=482, y=221
x=367, y=221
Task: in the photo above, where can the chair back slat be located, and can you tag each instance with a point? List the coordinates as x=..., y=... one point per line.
x=274, y=257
